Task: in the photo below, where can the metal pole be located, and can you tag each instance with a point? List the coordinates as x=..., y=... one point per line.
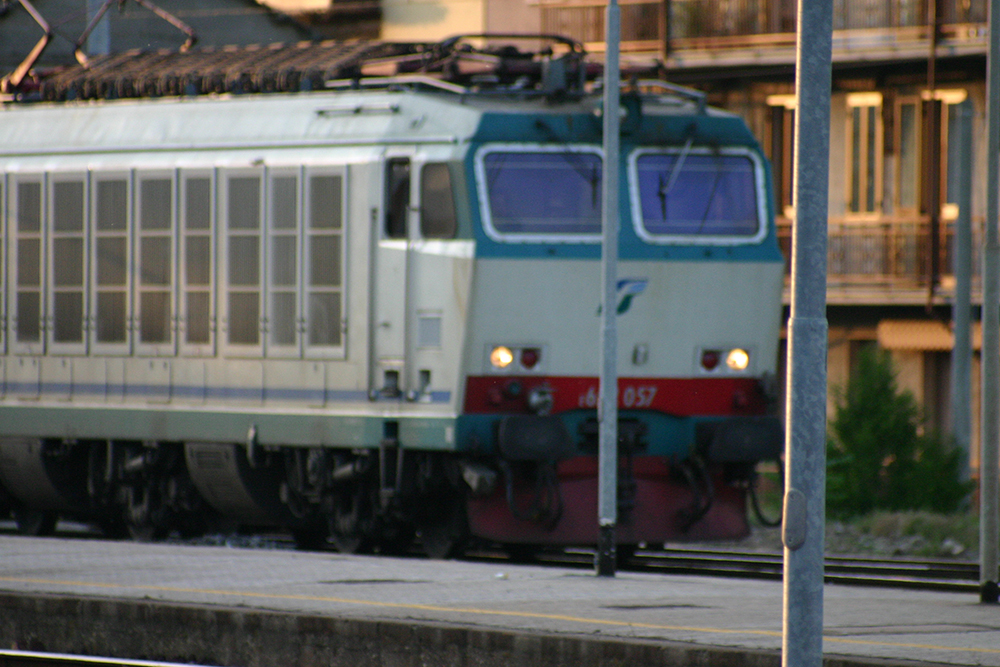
x=805, y=419
x=607, y=497
x=961, y=354
x=932, y=136
x=989, y=461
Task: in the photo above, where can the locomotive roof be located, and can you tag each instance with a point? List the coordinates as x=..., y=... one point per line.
x=223, y=123
x=378, y=92
x=552, y=65
x=248, y=127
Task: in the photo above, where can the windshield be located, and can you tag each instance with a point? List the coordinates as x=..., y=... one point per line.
x=697, y=193
x=541, y=193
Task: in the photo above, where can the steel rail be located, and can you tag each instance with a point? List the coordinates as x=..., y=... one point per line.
x=908, y=573
x=13, y=658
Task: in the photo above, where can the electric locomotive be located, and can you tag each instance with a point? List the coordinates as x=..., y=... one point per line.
x=367, y=310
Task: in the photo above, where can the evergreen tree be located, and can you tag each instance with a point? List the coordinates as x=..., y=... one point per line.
x=878, y=455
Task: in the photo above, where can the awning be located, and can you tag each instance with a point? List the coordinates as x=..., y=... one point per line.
x=921, y=335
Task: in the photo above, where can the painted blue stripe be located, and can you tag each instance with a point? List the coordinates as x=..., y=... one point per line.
x=208, y=393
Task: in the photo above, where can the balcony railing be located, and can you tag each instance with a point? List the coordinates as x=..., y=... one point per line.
x=643, y=23
x=711, y=18
x=886, y=259
x=720, y=24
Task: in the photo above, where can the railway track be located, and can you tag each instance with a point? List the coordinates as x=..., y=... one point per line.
x=898, y=572
x=909, y=573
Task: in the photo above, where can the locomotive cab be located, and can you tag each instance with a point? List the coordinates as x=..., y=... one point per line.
x=697, y=327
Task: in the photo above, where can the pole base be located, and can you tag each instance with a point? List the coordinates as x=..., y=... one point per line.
x=989, y=592
x=604, y=561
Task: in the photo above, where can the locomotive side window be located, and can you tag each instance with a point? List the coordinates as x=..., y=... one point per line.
x=283, y=312
x=243, y=256
x=437, y=203
x=111, y=261
x=119, y=263
x=540, y=194
x=67, y=240
x=324, y=254
x=155, y=209
x=397, y=197
x=197, y=265
x=27, y=264
x=4, y=235
x=697, y=196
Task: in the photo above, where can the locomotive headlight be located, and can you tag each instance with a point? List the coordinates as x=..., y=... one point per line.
x=738, y=359
x=540, y=400
x=723, y=361
x=501, y=357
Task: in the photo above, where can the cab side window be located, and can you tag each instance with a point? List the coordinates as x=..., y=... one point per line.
x=437, y=203
x=397, y=197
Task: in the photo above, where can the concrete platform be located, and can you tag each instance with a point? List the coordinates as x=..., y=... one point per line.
x=227, y=606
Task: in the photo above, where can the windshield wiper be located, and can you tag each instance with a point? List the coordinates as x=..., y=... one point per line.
x=666, y=187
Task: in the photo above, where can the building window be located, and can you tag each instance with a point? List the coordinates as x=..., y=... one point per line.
x=951, y=150
x=864, y=158
x=780, y=147
x=913, y=152
x=909, y=124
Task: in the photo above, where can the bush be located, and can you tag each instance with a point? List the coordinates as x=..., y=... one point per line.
x=878, y=455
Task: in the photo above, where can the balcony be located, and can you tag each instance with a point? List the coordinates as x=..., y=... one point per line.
x=887, y=261
x=717, y=33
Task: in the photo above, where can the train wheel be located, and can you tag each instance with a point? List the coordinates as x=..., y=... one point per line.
x=396, y=539
x=753, y=490
x=146, y=532
x=351, y=524
x=350, y=544
x=35, y=522
x=114, y=528
x=307, y=539
x=143, y=521
x=444, y=534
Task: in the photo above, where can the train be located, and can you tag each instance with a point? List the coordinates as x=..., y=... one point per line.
x=366, y=310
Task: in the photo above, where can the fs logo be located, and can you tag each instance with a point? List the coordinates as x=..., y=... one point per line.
x=628, y=288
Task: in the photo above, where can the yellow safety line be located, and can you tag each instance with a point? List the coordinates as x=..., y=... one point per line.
x=482, y=612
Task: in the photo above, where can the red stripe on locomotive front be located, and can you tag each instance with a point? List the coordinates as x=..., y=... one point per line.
x=682, y=397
